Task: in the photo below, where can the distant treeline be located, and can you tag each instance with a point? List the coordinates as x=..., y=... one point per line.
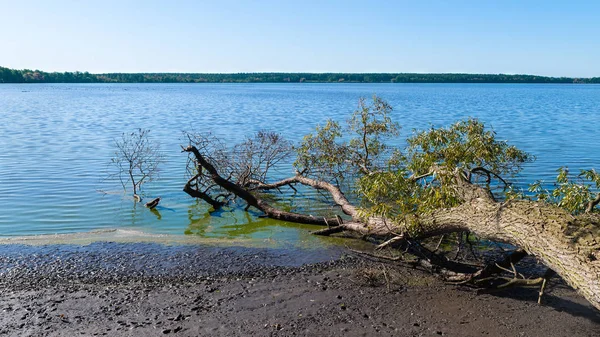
x=36, y=76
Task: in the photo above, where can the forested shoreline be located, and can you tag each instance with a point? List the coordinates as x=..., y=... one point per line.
x=8, y=75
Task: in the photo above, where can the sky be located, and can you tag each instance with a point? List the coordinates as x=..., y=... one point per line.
x=551, y=38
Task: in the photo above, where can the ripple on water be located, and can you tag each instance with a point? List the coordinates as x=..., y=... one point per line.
x=57, y=141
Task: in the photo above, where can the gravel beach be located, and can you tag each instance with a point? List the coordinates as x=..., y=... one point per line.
x=151, y=289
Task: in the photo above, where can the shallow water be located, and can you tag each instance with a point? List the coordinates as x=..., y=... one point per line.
x=56, y=141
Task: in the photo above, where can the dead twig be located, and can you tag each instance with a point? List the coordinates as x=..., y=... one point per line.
x=387, y=280
x=390, y=242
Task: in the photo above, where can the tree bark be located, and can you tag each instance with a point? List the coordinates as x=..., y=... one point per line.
x=194, y=193
x=567, y=244
x=338, y=197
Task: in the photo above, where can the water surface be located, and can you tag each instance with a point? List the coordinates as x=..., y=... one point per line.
x=56, y=141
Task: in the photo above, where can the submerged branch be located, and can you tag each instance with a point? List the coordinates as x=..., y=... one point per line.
x=251, y=199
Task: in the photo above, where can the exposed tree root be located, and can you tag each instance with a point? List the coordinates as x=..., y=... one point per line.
x=391, y=242
x=549, y=273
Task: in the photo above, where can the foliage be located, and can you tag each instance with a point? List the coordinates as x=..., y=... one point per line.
x=371, y=125
x=136, y=159
x=328, y=154
x=400, y=185
x=465, y=145
x=37, y=76
x=427, y=175
x=573, y=193
x=323, y=153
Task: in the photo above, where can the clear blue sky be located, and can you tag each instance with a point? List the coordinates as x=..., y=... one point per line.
x=555, y=38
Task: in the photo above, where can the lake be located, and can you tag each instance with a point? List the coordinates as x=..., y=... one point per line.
x=56, y=141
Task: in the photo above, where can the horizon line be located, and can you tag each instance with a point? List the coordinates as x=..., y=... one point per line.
x=299, y=72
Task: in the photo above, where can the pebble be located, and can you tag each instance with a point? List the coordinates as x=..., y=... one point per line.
x=31, y=267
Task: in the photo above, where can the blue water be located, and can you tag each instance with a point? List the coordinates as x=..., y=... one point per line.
x=56, y=141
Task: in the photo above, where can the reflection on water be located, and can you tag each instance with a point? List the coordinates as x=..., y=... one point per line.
x=156, y=212
x=232, y=223
x=56, y=141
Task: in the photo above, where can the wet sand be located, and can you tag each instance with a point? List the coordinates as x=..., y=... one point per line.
x=149, y=289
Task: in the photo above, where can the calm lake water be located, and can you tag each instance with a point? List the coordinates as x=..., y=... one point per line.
x=56, y=141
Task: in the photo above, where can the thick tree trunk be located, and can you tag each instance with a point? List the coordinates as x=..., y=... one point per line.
x=569, y=245
x=566, y=244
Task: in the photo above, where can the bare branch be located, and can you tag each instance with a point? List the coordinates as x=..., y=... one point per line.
x=592, y=204
x=488, y=174
x=390, y=242
x=415, y=178
x=137, y=159
x=201, y=195
x=249, y=198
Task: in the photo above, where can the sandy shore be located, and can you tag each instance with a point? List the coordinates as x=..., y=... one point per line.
x=146, y=289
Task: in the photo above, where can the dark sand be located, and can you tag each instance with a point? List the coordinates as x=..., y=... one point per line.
x=155, y=290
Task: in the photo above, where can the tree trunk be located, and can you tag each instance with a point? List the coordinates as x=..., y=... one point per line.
x=569, y=245
x=566, y=244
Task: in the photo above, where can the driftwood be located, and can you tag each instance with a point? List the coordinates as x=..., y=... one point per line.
x=153, y=203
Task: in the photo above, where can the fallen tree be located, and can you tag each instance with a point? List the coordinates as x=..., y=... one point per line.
x=447, y=180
